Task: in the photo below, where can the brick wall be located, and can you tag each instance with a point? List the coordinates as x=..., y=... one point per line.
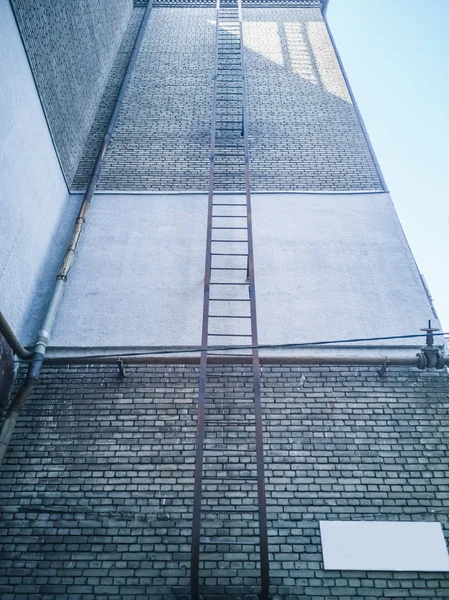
x=305, y=134
x=71, y=45
x=97, y=486
x=162, y=138
x=106, y=106
x=304, y=131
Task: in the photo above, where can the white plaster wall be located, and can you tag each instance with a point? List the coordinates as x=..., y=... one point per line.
x=334, y=267
x=327, y=267
x=138, y=276
x=33, y=193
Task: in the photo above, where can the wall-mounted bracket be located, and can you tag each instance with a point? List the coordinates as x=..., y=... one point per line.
x=384, y=367
x=121, y=367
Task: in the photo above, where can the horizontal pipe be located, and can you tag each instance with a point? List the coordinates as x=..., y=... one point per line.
x=13, y=340
x=364, y=359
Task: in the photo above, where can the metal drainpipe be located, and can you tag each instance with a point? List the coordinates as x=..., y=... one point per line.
x=372, y=359
x=12, y=339
x=40, y=347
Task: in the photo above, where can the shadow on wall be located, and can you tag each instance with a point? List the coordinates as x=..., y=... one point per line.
x=71, y=48
x=304, y=131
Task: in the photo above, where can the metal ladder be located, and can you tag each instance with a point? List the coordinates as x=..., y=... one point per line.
x=229, y=319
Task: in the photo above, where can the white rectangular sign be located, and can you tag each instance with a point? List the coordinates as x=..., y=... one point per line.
x=383, y=546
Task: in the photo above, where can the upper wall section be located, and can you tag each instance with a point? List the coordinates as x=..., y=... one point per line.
x=71, y=46
x=161, y=141
x=304, y=130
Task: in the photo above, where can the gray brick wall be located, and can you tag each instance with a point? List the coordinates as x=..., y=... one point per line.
x=107, y=102
x=161, y=141
x=305, y=134
x=304, y=131
x=97, y=486
x=71, y=45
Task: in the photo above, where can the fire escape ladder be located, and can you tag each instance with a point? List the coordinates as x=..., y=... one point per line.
x=229, y=512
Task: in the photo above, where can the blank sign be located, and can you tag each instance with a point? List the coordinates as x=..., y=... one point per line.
x=383, y=546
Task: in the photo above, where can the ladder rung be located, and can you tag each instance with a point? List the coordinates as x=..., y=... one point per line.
x=230, y=510
x=242, y=478
x=233, y=405
x=229, y=317
x=229, y=283
x=208, y=422
x=247, y=398
x=236, y=452
x=229, y=300
x=230, y=228
x=245, y=335
x=230, y=543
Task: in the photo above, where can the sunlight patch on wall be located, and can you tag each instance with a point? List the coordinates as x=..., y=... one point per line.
x=298, y=52
x=263, y=39
x=325, y=60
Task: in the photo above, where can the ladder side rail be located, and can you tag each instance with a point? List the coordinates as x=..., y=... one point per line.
x=197, y=493
x=263, y=533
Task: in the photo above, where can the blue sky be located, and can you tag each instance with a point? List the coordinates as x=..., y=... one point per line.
x=396, y=54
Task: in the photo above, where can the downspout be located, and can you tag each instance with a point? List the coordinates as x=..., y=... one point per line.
x=12, y=339
x=40, y=347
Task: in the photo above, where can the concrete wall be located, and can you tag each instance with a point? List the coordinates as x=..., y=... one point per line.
x=138, y=276
x=334, y=267
x=327, y=267
x=71, y=46
x=98, y=483
x=33, y=194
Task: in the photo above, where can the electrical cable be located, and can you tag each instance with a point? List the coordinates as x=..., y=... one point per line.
x=259, y=347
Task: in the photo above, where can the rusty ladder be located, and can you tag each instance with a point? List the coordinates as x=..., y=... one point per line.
x=231, y=490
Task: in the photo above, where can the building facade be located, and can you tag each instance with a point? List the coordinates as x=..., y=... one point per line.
x=99, y=477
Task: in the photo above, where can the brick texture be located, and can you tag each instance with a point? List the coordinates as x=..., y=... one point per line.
x=161, y=141
x=71, y=45
x=97, y=486
x=107, y=102
x=304, y=131
x=305, y=134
